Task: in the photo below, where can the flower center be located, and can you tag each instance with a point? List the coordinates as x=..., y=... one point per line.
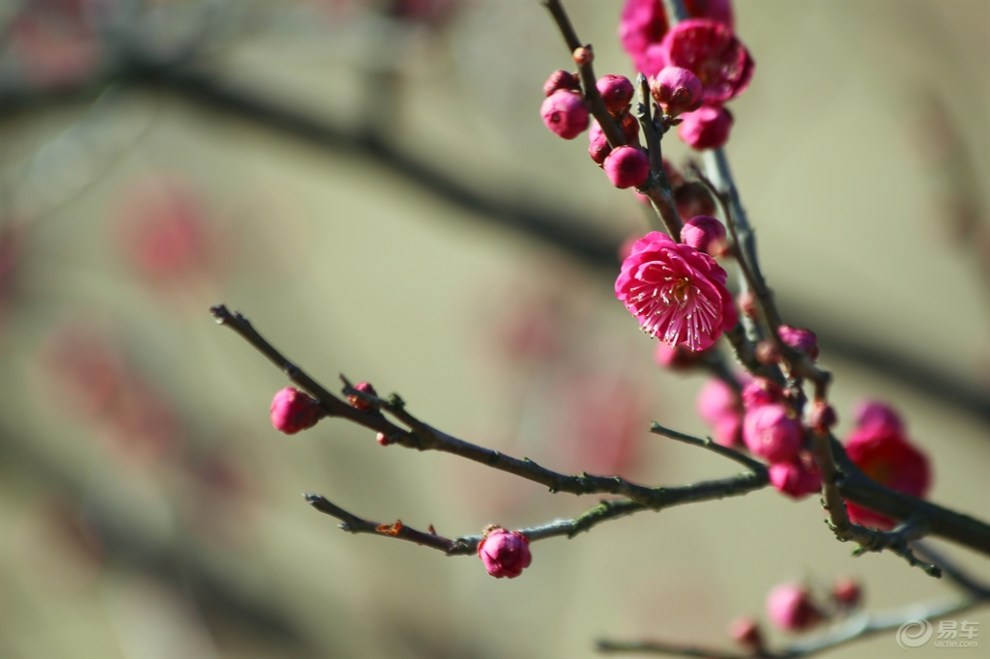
x=680, y=291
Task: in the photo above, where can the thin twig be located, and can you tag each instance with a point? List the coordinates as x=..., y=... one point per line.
x=708, y=443
x=854, y=485
x=851, y=629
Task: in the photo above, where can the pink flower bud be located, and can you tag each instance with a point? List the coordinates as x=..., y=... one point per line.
x=718, y=405
x=821, y=417
x=382, y=439
x=796, y=478
x=627, y=166
x=715, y=400
x=703, y=232
x=706, y=128
x=292, y=411
x=616, y=92
x=746, y=632
x=630, y=128
x=847, y=592
x=561, y=79
x=760, y=391
x=598, y=146
x=676, y=90
x=770, y=432
x=565, y=114
x=790, y=607
x=799, y=339
x=727, y=430
x=357, y=401
x=504, y=553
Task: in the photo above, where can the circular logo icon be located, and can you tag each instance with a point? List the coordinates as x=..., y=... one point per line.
x=914, y=633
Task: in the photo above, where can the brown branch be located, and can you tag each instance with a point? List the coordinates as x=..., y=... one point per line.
x=422, y=436
x=853, y=628
x=852, y=485
x=656, y=188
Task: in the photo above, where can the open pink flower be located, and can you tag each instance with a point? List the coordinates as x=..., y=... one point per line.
x=712, y=51
x=676, y=293
x=644, y=23
x=885, y=454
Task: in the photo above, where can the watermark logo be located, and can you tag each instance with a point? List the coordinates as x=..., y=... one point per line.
x=914, y=633
x=950, y=634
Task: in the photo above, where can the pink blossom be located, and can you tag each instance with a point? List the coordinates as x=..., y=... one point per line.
x=718, y=405
x=875, y=413
x=821, y=416
x=676, y=90
x=790, y=607
x=616, y=92
x=504, y=553
x=676, y=293
x=796, y=478
x=165, y=231
x=706, y=128
x=627, y=167
x=761, y=391
x=713, y=53
x=565, y=113
x=884, y=453
x=770, y=432
x=292, y=411
x=703, y=232
x=643, y=25
x=847, y=592
x=598, y=146
x=800, y=339
x=727, y=430
x=561, y=79
x=715, y=400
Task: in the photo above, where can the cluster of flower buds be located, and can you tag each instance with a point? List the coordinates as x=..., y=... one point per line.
x=792, y=607
x=763, y=417
x=565, y=113
x=293, y=410
x=695, y=67
x=773, y=431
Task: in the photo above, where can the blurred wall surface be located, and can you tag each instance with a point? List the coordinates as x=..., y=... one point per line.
x=361, y=180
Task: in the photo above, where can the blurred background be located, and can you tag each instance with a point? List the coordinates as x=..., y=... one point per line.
x=371, y=184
